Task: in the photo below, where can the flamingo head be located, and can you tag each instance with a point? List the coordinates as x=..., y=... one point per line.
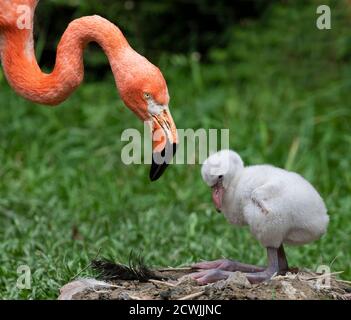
x=219, y=171
x=143, y=89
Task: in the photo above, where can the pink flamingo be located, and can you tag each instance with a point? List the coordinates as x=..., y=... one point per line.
x=140, y=84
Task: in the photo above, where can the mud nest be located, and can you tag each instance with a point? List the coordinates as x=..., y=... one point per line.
x=138, y=282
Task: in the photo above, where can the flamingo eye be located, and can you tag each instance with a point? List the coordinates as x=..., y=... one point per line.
x=147, y=95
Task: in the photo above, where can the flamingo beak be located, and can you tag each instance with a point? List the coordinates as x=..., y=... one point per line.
x=217, y=195
x=164, y=143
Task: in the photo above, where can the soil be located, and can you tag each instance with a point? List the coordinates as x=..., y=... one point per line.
x=179, y=286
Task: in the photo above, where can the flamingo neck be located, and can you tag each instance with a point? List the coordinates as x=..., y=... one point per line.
x=26, y=78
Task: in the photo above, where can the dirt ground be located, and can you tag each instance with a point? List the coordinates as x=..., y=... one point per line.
x=179, y=286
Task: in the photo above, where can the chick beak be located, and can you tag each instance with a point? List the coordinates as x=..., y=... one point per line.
x=164, y=143
x=217, y=195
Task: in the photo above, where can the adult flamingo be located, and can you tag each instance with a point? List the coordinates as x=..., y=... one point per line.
x=140, y=84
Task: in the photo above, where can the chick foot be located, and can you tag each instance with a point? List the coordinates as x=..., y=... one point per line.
x=222, y=269
x=227, y=265
x=214, y=275
x=210, y=276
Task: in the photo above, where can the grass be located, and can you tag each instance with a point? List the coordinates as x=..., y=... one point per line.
x=64, y=193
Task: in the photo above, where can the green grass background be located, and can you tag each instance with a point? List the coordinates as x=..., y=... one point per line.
x=280, y=85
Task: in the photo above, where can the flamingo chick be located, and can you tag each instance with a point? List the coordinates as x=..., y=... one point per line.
x=279, y=206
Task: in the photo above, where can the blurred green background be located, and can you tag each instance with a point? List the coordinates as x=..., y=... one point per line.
x=260, y=68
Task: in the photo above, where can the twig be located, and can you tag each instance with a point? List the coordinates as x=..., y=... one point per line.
x=134, y=297
x=192, y=296
x=114, y=286
x=87, y=267
x=344, y=281
x=101, y=291
x=331, y=263
x=175, y=269
x=323, y=275
x=162, y=283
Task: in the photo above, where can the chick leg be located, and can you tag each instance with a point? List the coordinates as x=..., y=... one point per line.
x=283, y=262
x=227, y=265
x=277, y=264
x=222, y=269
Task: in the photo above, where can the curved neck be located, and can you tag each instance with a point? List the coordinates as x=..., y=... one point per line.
x=26, y=78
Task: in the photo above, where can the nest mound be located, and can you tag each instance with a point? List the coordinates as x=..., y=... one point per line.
x=179, y=286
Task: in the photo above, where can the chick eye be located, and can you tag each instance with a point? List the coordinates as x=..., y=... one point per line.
x=147, y=95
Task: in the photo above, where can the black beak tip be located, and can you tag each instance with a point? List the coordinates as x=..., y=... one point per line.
x=161, y=160
x=157, y=171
